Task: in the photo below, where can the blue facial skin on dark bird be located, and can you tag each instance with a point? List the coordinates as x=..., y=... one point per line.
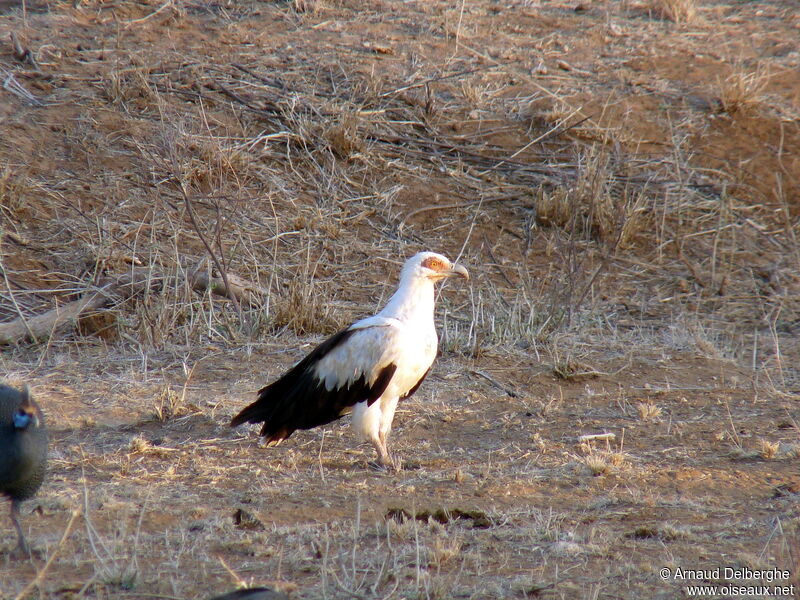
x=23, y=452
x=23, y=419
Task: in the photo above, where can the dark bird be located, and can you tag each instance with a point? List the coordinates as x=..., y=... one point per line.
x=23, y=451
x=367, y=368
x=258, y=593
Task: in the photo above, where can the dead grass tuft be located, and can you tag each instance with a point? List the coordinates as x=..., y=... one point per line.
x=344, y=137
x=742, y=91
x=767, y=449
x=443, y=551
x=596, y=207
x=303, y=308
x=666, y=532
x=598, y=464
x=677, y=11
x=648, y=411
x=168, y=405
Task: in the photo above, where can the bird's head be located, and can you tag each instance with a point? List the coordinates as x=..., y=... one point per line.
x=27, y=415
x=435, y=267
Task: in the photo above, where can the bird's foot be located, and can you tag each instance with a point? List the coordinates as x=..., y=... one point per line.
x=386, y=463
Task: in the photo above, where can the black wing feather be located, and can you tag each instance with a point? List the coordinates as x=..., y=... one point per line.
x=410, y=392
x=299, y=400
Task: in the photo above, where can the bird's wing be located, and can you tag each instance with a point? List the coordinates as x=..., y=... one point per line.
x=354, y=365
x=415, y=387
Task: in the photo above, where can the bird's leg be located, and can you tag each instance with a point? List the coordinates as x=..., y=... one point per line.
x=386, y=459
x=22, y=545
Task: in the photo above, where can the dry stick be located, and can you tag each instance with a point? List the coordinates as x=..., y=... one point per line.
x=238, y=581
x=152, y=14
x=490, y=162
x=40, y=575
x=222, y=271
x=596, y=436
x=496, y=263
x=458, y=28
x=412, y=86
x=15, y=87
x=234, y=96
x=240, y=289
x=494, y=382
x=591, y=282
x=274, y=83
x=548, y=134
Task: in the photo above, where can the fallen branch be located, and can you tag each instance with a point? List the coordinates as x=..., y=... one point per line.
x=42, y=326
x=593, y=437
x=245, y=292
x=115, y=289
x=65, y=316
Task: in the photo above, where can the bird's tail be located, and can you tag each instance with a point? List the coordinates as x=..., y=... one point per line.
x=267, y=411
x=253, y=413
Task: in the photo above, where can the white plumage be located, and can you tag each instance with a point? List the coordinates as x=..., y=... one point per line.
x=367, y=368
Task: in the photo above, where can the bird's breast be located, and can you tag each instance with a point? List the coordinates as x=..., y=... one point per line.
x=418, y=356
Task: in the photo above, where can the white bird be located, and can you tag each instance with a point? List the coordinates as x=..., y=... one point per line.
x=367, y=368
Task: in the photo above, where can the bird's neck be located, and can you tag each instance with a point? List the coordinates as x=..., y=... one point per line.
x=413, y=301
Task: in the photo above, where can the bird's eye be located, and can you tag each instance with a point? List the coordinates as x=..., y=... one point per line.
x=433, y=263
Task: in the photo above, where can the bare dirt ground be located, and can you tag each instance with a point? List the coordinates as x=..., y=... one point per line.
x=623, y=183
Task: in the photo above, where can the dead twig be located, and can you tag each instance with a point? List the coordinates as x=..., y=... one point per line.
x=23, y=54
x=606, y=437
x=161, y=8
x=412, y=86
x=10, y=84
x=495, y=383
x=195, y=225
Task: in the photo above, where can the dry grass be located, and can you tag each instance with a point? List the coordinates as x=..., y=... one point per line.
x=767, y=449
x=677, y=11
x=742, y=90
x=648, y=411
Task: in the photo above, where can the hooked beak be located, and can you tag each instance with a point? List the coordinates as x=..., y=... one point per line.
x=456, y=269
